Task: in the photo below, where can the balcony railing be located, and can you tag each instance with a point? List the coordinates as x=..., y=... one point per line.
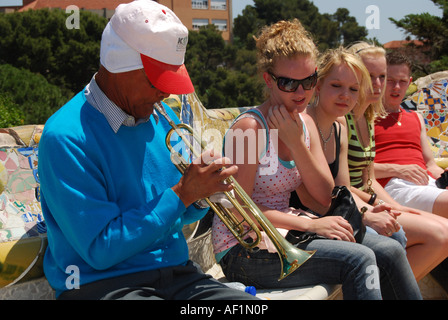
x=199, y=4
x=214, y=5
x=218, y=5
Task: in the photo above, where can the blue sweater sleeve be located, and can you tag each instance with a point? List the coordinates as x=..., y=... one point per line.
x=102, y=233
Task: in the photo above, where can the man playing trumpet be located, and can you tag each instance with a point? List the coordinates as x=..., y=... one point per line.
x=114, y=203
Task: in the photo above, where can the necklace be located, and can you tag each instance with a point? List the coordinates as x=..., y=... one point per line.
x=324, y=140
x=399, y=118
x=314, y=116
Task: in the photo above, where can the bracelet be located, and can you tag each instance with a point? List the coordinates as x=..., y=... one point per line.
x=372, y=199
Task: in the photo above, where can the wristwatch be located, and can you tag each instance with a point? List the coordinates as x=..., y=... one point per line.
x=201, y=204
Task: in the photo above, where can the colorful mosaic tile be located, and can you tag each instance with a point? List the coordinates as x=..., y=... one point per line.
x=20, y=210
x=431, y=102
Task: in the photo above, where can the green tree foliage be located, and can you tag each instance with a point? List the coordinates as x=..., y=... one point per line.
x=38, y=40
x=222, y=75
x=34, y=99
x=328, y=30
x=433, y=30
x=348, y=29
x=11, y=115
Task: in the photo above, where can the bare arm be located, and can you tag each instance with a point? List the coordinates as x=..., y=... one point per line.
x=311, y=163
x=410, y=172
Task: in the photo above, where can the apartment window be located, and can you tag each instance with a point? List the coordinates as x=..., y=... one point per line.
x=221, y=24
x=199, y=4
x=218, y=4
x=197, y=23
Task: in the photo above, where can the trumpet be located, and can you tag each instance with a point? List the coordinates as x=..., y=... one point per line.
x=291, y=258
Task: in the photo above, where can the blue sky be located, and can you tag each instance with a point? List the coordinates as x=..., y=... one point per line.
x=387, y=31
x=11, y=3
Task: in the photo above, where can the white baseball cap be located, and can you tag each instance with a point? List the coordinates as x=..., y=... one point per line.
x=146, y=34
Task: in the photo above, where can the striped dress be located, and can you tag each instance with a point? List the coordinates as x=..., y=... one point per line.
x=359, y=157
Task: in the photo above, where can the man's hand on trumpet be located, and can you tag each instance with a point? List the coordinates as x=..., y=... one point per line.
x=204, y=177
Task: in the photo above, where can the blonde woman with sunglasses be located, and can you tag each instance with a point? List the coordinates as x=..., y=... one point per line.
x=287, y=143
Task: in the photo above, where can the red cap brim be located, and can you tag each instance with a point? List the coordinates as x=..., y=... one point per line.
x=167, y=77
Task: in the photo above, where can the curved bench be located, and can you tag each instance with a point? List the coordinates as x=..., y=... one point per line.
x=23, y=238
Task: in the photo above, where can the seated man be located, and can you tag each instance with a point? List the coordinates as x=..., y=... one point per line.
x=113, y=202
x=404, y=163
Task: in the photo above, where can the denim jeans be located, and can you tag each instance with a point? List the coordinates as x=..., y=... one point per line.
x=376, y=269
x=400, y=236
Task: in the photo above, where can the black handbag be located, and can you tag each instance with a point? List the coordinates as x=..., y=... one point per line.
x=442, y=182
x=342, y=204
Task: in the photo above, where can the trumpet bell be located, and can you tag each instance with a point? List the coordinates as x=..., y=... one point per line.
x=292, y=259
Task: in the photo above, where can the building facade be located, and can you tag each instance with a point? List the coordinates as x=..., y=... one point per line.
x=197, y=13
x=192, y=13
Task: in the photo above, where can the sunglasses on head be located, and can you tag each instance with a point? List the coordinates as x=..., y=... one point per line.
x=291, y=85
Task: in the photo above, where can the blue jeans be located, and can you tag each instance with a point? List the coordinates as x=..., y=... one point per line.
x=400, y=236
x=335, y=262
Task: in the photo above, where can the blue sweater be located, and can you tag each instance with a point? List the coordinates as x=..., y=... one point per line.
x=107, y=198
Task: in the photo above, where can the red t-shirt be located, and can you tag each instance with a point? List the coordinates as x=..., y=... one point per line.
x=399, y=144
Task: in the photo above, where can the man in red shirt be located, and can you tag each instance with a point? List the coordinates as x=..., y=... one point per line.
x=404, y=163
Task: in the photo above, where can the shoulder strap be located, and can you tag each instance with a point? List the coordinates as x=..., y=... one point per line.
x=337, y=134
x=258, y=113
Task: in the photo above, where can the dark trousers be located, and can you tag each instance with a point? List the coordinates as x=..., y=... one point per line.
x=173, y=283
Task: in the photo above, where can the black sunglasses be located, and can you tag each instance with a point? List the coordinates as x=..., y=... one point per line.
x=291, y=85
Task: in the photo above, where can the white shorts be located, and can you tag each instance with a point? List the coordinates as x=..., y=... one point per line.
x=412, y=195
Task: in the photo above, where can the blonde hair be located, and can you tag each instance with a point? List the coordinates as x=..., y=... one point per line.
x=339, y=56
x=363, y=49
x=284, y=39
